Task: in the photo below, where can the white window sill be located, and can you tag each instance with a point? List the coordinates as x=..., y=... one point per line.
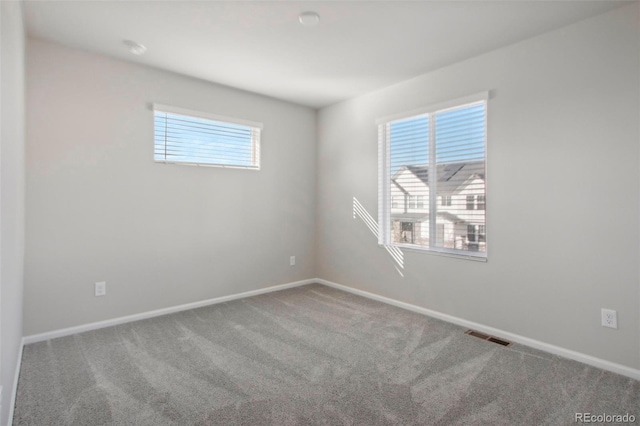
x=224, y=166
x=480, y=257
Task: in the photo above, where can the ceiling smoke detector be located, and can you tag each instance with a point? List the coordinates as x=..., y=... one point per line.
x=135, y=48
x=309, y=19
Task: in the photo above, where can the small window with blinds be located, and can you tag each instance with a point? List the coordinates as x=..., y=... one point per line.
x=436, y=155
x=197, y=138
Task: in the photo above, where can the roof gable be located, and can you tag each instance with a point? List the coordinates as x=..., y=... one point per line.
x=451, y=176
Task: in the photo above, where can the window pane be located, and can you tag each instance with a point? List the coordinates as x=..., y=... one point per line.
x=460, y=152
x=409, y=160
x=181, y=138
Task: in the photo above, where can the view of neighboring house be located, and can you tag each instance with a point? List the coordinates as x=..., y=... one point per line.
x=460, y=192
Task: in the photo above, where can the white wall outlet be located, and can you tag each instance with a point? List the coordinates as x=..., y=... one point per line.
x=101, y=288
x=609, y=318
x=292, y=260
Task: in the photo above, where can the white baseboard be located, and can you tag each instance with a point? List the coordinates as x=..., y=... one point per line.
x=150, y=314
x=14, y=389
x=557, y=350
x=536, y=344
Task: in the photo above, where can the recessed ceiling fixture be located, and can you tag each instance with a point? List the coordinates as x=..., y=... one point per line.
x=135, y=48
x=309, y=19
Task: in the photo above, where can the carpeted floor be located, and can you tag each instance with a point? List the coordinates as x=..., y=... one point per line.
x=310, y=355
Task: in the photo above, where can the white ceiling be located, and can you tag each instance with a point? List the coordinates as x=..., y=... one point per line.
x=259, y=46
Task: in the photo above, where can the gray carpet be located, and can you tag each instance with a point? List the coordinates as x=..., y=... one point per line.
x=311, y=355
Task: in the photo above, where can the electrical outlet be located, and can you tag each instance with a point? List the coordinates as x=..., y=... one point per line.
x=292, y=260
x=609, y=318
x=101, y=288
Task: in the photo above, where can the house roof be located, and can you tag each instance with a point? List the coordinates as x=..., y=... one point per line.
x=450, y=175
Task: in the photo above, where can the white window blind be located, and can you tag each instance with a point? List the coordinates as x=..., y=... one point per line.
x=436, y=155
x=192, y=137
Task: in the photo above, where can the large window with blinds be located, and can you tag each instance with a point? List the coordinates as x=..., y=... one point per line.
x=198, y=138
x=436, y=155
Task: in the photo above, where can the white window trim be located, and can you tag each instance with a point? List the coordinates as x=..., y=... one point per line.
x=440, y=107
x=205, y=115
x=384, y=164
x=156, y=107
x=444, y=252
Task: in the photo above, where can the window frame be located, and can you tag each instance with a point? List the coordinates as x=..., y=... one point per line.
x=256, y=135
x=384, y=176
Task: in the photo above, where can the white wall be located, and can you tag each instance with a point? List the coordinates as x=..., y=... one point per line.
x=11, y=194
x=99, y=208
x=563, y=190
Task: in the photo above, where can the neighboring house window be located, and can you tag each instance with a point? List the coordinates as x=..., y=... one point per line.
x=472, y=233
x=438, y=151
x=482, y=233
x=471, y=205
x=480, y=202
x=476, y=234
x=198, y=138
x=413, y=201
x=407, y=232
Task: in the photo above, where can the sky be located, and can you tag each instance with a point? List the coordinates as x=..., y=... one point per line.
x=459, y=135
x=198, y=140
